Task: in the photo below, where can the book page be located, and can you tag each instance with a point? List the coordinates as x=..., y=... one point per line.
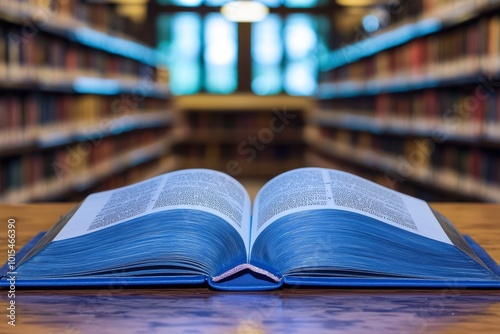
x=319, y=188
x=199, y=189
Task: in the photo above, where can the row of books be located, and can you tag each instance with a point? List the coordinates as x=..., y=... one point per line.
x=468, y=113
x=238, y=162
x=431, y=80
x=51, y=173
x=234, y=128
x=244, y=153
x=242, y=121
x=409, y=21
x=36, y=19
x=75, y=92
x=53, y=119
x=465, y=49
x=246, y=137
x=243, y=137
x=470, y=170
x=101, y=16
x=47, y=58
x=35, y=109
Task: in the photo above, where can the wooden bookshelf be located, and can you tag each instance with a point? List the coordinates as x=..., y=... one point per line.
x=396, y=170
x=83, y=178
x=82, y=106
x=422, y=18
x=419, y=102
x=243, y=135
x=90, y=24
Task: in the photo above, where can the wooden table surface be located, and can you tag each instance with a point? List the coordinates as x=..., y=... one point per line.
x=200, y=310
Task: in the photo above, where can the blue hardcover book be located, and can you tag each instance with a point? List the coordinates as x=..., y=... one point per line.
x=307, y=227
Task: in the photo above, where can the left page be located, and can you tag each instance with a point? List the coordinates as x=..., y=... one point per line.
x=199, y=189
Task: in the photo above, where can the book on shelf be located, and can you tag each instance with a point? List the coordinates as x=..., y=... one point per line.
x=308, y=227
x=461, y=162
x=433, y=54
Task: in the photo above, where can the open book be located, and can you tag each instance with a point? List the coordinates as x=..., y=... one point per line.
x=309, y=226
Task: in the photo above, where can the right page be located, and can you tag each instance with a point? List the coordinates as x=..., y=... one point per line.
x=318, y=188
x=316, y=222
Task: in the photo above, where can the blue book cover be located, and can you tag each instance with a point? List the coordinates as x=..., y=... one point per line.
x=306, y=227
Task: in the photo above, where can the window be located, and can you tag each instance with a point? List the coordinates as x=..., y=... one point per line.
x=267, y=55
x=201, y=48
x=301, y=65
x=220, y=54
x=180, y=43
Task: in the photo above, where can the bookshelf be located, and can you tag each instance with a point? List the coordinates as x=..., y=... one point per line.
x=417, y=106
x=244, y=135
x=82, y=106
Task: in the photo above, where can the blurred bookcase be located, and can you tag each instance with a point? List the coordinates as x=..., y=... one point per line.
x=417, y=107
x=82, y=106
x=244, y=135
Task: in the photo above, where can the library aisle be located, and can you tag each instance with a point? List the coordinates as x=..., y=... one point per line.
x=95, y=95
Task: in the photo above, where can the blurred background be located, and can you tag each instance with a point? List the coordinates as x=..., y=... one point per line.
x=97, y=94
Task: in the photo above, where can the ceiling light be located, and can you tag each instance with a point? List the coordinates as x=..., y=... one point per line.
x=244, y=11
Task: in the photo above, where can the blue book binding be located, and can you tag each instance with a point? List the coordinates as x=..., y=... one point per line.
x=309, y=227
x=249, y=281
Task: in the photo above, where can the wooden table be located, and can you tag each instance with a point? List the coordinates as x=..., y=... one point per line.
x=201, y=310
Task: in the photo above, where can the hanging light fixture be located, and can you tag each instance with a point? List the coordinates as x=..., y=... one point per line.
x=244, y=11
